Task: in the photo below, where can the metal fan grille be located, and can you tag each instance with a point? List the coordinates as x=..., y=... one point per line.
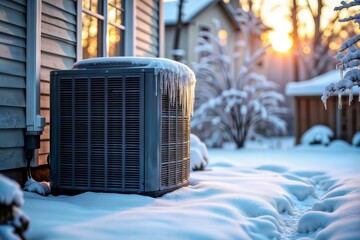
x=175, y=143
x=100, y=126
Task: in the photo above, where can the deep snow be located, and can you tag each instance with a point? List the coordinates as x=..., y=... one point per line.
x=305, y=192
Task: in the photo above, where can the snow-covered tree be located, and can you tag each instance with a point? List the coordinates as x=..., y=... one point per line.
x=349, y=57
x=313, y=52
x=232, y=101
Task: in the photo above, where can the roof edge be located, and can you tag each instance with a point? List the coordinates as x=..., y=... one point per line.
x=229, y=14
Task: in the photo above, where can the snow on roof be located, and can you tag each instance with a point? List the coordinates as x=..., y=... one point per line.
x=189, y=10
x=314, y=86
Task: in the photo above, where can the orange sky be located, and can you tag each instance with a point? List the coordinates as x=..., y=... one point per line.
x=276, y=13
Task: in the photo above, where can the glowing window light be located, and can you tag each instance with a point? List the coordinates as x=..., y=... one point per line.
x=223, y=37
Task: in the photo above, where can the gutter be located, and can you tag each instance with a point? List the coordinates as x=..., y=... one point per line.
x=34, y=122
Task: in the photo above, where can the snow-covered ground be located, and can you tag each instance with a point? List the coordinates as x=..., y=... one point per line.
x=304, y=192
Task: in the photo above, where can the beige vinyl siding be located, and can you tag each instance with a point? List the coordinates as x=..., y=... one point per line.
x=58, y=51
x=12, y=83
x=147, y=28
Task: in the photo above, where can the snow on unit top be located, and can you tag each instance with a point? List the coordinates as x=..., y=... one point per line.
x=173, y=75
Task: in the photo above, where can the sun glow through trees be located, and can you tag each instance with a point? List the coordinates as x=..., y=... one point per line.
x=280, y=41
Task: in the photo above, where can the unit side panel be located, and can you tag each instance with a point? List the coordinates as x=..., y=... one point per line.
x=152, y=133
x=175, y=143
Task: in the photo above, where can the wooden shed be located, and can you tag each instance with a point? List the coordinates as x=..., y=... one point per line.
x=39, y=36
x=310, y=111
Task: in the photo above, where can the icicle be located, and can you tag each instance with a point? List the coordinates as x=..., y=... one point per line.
x=341, y=74
x=156, y=88
x=174, y=77
x=179, y=84
x=161, y=86
x=339, y=101
x=323, y=99
x=350, y=96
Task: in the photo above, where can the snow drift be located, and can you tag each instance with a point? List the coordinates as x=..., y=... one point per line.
x=236, y=199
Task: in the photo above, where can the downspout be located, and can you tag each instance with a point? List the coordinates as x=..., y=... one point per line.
x=161, y=29
x=78, y=30
x=130, y=28
x=34, y=122
x=104, y=42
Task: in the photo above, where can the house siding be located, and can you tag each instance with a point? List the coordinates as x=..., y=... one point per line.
x=190, y=32
x=58, y=51
x=12, y=83
x=147, y=28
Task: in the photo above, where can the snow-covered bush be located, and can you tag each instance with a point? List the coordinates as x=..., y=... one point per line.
x=349, y=57
x=233, y=99
x=318, y=134
x=13, y=223
x=340, y=145
x=199, y=156
x=356, y=139
x=41, y=188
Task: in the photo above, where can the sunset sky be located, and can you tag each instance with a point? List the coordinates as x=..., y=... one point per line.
x=276, y=14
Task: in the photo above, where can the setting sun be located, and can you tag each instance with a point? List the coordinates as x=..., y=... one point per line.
x=280, y=41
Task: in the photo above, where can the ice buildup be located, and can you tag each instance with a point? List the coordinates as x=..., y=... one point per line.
x=174, y=76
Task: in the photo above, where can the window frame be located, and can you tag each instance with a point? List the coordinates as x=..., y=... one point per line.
x=128, y=28
x=203, y=28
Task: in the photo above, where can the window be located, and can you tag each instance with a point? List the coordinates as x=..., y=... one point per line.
x=222, y=34
x=102, y=28
x=203, y=33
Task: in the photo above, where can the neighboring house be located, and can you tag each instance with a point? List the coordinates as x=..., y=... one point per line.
x=39, y=36
x=279, y=69
x=309, y=109
x=197, y=17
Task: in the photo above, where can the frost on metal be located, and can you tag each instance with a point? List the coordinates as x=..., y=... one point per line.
x=174, y=76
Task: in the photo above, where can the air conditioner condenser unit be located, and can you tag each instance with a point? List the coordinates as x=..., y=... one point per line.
x=121, y=125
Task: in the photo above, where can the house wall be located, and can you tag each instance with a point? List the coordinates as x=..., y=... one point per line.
x=310, y=111
x=148, y=28
x=58, y=46
x=59, y=43
x=190, y=32
x=58, y=52
x=12, y=83
x=183, y=43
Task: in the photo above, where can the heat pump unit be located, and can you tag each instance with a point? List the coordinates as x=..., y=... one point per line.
x=121, y=125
